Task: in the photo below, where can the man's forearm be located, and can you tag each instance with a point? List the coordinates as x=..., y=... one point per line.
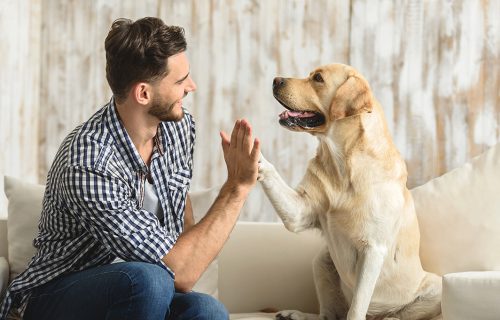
x=197, y=247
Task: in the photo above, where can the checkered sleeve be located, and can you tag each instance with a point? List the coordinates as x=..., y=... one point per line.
x=104, y=205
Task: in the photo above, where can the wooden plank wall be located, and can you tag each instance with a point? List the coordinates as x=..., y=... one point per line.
x=20, y=31
x=434, y=66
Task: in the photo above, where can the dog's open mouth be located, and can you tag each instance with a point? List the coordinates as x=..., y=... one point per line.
x=304, y=119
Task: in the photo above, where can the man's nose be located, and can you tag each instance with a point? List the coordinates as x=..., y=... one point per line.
x=191, y=87
x=278, y=82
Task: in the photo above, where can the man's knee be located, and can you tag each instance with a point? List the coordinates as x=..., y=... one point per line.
x=212, y=308
x=199, y=306
x=150, y=288
x=150, y=279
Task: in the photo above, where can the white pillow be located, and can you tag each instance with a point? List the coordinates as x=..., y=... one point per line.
x=471, y=295
x=459, y=217
x=201, y=201
x=24, y=209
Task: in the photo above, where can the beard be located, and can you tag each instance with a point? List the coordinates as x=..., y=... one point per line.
x=163, y=110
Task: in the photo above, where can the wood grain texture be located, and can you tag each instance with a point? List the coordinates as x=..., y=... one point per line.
x=236, y=49
x=73, y=78
x=433, y=65
x=20, y=22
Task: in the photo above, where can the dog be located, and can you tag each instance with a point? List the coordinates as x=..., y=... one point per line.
x=354, y=191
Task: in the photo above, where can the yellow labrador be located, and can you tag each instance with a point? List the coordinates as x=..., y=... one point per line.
x=354, y=191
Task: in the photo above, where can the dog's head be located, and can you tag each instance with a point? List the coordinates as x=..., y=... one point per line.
x=328, y=94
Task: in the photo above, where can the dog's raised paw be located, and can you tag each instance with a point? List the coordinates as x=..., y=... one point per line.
x=291, y=315
x=264, y=167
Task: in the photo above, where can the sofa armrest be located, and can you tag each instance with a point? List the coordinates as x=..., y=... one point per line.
x=4, y=276
x=471, y=295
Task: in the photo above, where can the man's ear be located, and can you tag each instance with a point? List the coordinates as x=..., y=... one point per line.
x=142, y=93
x=352, y=97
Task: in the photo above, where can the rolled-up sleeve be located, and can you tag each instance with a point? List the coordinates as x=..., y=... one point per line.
x=106, y=207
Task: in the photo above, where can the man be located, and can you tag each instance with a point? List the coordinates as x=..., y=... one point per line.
x=116, y=236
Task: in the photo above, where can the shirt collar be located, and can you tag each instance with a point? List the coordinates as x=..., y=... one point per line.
x=160, y=140
x=124, y=143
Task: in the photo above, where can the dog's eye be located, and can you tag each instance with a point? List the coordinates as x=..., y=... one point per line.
x=317, y=77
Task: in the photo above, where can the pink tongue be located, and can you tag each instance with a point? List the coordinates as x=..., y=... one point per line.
x=285, y=114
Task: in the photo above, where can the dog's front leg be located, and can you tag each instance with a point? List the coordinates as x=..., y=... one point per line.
x=293, y=208
x=368, y=269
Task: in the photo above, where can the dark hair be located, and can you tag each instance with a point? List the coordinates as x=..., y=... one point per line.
x=138, y=51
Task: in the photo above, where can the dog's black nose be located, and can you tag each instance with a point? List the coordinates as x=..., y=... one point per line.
x=278, y=82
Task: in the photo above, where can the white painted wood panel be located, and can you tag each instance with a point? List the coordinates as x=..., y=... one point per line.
x=73, y=78
x=236, y=49
x=20, y=25
x=434, y=65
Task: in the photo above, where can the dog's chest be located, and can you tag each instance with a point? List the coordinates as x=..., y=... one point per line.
x=343, y=253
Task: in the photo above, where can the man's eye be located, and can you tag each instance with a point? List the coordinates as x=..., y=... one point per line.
x=317, y=77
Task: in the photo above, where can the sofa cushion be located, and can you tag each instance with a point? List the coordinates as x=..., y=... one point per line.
x=459, y=217
x=24, y=208
x=471, y=295
x=265, y=266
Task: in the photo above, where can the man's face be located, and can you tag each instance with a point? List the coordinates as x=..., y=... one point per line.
x=169, y=92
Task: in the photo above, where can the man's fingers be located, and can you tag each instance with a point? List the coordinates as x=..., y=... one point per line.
x=225, y=141
x=247, y=138
x=234, y=134
x=255, y=154
x=242, y=132
x=225, y=137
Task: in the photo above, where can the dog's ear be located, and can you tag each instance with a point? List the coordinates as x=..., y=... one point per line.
x=352, y=97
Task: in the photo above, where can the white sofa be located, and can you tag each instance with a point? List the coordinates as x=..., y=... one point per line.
x=263, y=266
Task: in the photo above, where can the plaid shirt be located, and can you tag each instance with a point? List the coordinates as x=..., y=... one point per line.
x=92, y=205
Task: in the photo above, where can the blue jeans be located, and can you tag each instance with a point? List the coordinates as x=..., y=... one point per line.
x=124, y=291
